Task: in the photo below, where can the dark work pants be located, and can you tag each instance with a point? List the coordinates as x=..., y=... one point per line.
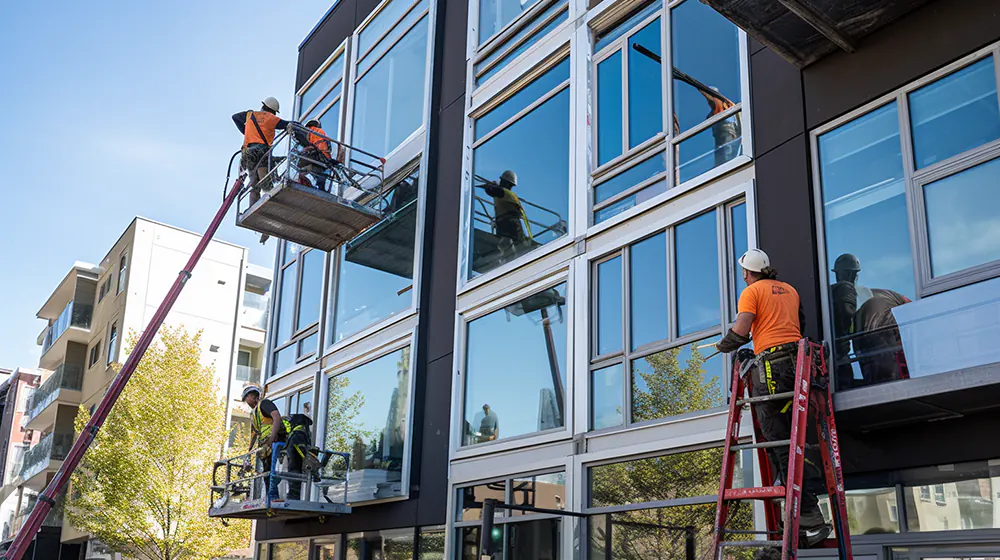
x=776, y=424
x=296, y=441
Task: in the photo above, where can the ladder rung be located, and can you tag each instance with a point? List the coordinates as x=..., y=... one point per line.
x=750, y=544
x=749, y=532
x=766, y=398
x=755, y=493
x=761, y=445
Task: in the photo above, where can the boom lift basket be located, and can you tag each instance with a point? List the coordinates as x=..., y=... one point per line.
x=313, y=200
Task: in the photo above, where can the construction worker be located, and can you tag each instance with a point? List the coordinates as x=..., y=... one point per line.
x=770, y=310
x=489, y=425
x=316, y=152
x=263, y=419
x=258, y=129
x=299, y=444
x=508, y=211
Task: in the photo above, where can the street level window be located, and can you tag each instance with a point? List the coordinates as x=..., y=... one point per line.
x=906, y=216
x=390, y=77
x=290, y=550
x=659, y=303
x=368, y=415
x=515, y=366
x=520, y=191
x=298, y=306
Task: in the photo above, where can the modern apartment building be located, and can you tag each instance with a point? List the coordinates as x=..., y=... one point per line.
x=91, y=314
x=551, y=358
x=14, y=394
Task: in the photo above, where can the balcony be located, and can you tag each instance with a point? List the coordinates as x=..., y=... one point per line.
x=45, y=455
x=63, y=386
x=255, y=310
x=74, y=322
x=247, y=374
x=52, y=519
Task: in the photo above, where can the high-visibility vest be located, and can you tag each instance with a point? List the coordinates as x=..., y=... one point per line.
x=268, y=122
x=320, y=142
x=261, y=425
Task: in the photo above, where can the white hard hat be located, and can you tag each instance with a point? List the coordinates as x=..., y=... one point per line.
x=251, y=388
x=271, y=103
x=755, y=260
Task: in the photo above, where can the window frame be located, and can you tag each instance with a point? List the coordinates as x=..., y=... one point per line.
x=112, y=345
x=340, y=52
x=914, y=181
x=122, y=273
x=297, y=335
x=94, y=355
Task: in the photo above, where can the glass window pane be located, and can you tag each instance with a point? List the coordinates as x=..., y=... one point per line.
x=609, y=108
x=697, y=253
x=354, y=548
x=962, y=226
x=291, y=250
x=667, y=477
x=319, y=87
x=396, y=543
x=286, y=303
x=542, y=491
x=384, y=21
x=706, y=57
x=312, y=288
x=308, y=344
x=710, y=148
x=509, y=393
x=524, y=97
x=676, y=381
x=869, y=512
x=534, y=32
x=955, y=114
x=326, y=552
x=608, y=37
x=629, y=178
x=494, y=15
x=468, y=542
x=389, y=99
x=648, y=288
x=631, y=201
x=295, y=550
x=431, y=544
x=470, y=500
x=609, y=306
x=607, y=397
x=281, y=403
x=955, y=505
x=285, y=358
x=330, y=121
x=740, y=246
x=659, y=533
x=538, y=539
x=508, y=223
x=867, y=243
x=376, y=267
x=411, y=17
x=645, y=84
x=305, y=403
x=368, y=416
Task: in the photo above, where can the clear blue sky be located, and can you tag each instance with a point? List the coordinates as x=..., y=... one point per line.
x=117, y=109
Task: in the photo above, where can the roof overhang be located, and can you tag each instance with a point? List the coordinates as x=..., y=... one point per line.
x=803, y=31
x=64, y=293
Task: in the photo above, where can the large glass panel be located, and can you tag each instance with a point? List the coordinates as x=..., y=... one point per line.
x=286, y=303
x=411, y=17
x=524, y=97
x=326, y=552
x=389, y=99
x=396, y=545
x=546, y=491
x=468, y=542
x=648, y=288
x=955, y=114
x=285, y=358
x=645, y=85
x=376, y=268
x=511, y=221
x=631, y=201
x=525, y=389
x=706, y=57
x=668, y=477
x=322, y=83
x=431, y=544
x=867, y=244
x=697, y=254
x=368, y=416
x=609, y=108
x=382, y=22
x=354, y=547
x=311, y=289
x=495, y=14
x=966, y=498
x=709, y=148
x=630, y=177
x=608, y=37
x=740, y=245
x=676, y=381
x=609, y=306
x=330, y=121
x=470, y=503
x=534, y=540
x=607, y=397
x=963, y=229
x=294, y=550
x=525, y=39
x=869, y=512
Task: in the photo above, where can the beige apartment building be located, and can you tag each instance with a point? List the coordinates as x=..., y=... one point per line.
x=90, y=315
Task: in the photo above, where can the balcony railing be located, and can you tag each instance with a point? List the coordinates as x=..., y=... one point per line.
x=53, y=519
x=247, y=373
x=74, y=315
x=66, y=376
x=52, y=447
x=255, y=310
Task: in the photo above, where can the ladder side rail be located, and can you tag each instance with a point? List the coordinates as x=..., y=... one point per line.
x=47, y=498
x=796, y=457
x=728, y=463
x=772, y=513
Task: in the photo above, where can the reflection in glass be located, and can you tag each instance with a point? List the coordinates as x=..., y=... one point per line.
x=470, y=502
x=308, y=344
x=389, y=100
x=285, y=358
x=631, y=201
x=963, y=227
x=697, y=257
x=366, y=60
x=326, y=552
x=538, y=539
x=294, y=550
x=524, y=39
x=286, y=303
x=648, y=289
x=322, y=83
x=367, y=416
x=645, y=85
x=609, y=36
x=394, y=545
x=609, y=108
x=311, y=288
x=609, y=306
x=607, y=397
x=867, y=245
x=468, y=542
x=740, y=245
x=869, y=512
x=542, y=491
x=516, y=369
x=431, y=544
x=630, y=177
x=330, y=121
x=676, y=381
x=376, y=268
x=955, y=114
x=957, y=505
x=524, y=97
x=354, y=547
x=521, y=186
x=494, y=15
x=709, y=148
x=659, y=534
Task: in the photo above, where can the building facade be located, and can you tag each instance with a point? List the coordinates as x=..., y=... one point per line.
x=91, y=315
x=551, y=357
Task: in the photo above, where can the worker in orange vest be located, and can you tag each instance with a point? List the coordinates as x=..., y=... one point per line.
x=258, y=128
x=315, y=158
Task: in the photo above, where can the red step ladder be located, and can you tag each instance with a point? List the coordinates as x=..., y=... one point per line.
x=810, y=396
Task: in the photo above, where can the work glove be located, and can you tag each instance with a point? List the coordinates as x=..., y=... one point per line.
x=731, y=342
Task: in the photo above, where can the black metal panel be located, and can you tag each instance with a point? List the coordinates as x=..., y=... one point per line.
x=328, y=35
x=778, y=105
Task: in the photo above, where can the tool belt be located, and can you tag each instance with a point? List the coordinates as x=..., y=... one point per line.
x=764, y=361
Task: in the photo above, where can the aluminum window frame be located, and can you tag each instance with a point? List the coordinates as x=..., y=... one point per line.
x=122, y=273
x=297, y=335
x=914, y=181
x=340, y=52
x=113, y=336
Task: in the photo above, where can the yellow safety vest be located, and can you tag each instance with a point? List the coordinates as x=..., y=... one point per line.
x=262, y=425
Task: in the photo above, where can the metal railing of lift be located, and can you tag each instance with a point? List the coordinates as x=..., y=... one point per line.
x=360, y=177
x=484, y=217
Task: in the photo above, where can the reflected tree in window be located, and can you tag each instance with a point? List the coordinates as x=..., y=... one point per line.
x=663, y=387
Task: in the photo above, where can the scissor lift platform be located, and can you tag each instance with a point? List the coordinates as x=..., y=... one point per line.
x=287, y=509
x=388, y=245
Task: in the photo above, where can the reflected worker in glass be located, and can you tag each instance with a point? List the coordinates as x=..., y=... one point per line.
x=510, y=220
x=488, y=425
x=862, y=318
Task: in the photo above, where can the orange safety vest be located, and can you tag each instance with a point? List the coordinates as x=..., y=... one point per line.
x=320, y=142
x=268, y=122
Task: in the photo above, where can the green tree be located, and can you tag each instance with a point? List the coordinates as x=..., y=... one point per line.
x=142, y=485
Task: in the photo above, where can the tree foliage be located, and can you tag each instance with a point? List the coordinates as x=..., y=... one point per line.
x=142, y=487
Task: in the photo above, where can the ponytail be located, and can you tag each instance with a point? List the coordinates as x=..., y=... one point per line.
x=769, y=273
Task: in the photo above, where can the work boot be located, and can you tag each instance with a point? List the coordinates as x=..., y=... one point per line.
x=813, y=528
